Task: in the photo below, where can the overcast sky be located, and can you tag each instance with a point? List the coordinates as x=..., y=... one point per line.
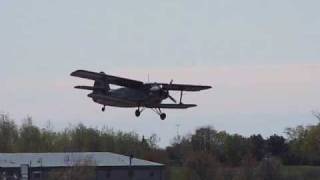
x=262, y=57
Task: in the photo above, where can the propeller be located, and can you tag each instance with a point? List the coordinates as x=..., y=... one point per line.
x=169, y=96
x=172, y=99
x=158, y=87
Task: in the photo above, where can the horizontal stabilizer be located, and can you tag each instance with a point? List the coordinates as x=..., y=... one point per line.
x=172, y=106
x=89, y=88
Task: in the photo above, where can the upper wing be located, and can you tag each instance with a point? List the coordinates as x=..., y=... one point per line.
x=184, y=87
x=110, y=79
x=134, y=83
x=172, y=106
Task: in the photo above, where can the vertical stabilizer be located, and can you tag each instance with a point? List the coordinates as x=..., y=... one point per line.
x=101, y=87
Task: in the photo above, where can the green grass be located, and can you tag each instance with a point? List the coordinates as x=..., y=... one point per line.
x=287, y=173
x=178, y=173
x=300, y=172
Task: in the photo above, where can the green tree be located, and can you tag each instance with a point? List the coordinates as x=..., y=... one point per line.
x=257, y=146
x=8, y=134
x=277, y=145
x=85, y=139
x=203, y=139
x=178, y=150
x=204, y=165
x=236, y=148
x=29, y=137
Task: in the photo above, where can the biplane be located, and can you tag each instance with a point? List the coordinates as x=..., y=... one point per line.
x=133, y=93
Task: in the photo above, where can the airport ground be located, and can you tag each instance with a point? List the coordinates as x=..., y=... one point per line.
x=242, y=173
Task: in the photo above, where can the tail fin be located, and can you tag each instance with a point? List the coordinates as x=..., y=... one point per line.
x=102, y=87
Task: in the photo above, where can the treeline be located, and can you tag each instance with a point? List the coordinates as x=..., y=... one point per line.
x=301, y=146
x=79, y=138
x=202, y=152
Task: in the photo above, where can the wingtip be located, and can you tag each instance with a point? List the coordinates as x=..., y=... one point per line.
x=206, y=87
x=74, y=73
x=191, y=105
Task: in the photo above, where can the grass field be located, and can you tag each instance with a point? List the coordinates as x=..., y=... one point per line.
x=300, y=172
x=286, y=173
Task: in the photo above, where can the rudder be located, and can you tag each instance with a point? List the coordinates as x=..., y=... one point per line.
x=102, y=87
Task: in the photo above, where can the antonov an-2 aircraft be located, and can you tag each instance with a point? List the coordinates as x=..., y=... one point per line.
x=133, y=93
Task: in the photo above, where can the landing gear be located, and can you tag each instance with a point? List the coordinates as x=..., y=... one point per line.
x=103, y=108
x=163, y=116
x=137, y=113
x=160, y=113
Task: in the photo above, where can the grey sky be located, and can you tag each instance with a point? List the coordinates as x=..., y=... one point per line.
x=238, y=46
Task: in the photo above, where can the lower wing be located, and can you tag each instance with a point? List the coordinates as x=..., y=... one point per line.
x=113, y=100
x=172, y=106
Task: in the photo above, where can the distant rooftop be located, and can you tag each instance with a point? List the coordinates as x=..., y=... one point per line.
x=70, y=159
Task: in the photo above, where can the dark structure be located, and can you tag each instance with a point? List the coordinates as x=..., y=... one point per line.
x=133, y=93
x=93, y=165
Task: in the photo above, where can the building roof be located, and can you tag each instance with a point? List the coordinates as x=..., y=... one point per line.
x=70, y=159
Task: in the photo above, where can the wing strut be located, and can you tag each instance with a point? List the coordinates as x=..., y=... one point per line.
x=181, y=93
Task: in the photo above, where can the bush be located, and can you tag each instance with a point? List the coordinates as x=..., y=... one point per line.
x=269, y=169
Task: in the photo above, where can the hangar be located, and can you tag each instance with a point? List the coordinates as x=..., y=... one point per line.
x=77, y=165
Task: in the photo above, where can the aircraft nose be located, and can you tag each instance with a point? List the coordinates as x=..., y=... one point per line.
x=164, y=94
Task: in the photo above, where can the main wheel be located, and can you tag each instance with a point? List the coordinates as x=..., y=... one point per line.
x=103, y=109
x=163, y=116
x=138, y=113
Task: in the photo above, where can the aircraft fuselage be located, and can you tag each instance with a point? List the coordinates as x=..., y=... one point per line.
x=127, y=97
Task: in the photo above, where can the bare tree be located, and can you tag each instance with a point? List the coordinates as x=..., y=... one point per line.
x=316, y=114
